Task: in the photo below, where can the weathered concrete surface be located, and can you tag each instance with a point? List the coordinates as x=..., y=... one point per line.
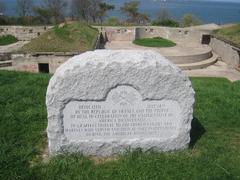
x=228, y=53
x=24, y=33
x=220, y=69
x=90, y=76
x=12, y=47
x=183, y=53
x=189, y=34
x=30, y=63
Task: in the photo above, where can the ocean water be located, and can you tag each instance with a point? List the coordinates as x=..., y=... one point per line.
x=208, y=11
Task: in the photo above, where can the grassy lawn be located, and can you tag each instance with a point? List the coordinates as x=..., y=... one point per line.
x=214, y=151
x=74, y=37
x=7, y=39
x=154, y=42
x=229, y=34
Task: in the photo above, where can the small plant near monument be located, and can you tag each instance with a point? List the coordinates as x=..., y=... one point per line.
x=154, y=42
x=7, y=39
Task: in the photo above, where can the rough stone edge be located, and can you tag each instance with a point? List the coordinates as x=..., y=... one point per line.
x=57, y=139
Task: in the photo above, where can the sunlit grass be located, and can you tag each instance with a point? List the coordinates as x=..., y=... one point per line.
x=213, y=153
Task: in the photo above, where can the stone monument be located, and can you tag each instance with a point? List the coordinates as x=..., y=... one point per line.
x=106, y=102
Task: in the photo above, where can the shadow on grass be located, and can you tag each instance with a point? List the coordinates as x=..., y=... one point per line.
x=196, y=132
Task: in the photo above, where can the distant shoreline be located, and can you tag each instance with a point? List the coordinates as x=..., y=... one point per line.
x=215, y=11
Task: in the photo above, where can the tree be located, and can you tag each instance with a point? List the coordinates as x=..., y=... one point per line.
x=80, y=9
x=94, y=9
x=142, y=18
x=56, y=7
x=165, y=19
x=190, y=20
x=131, y=10
x=103, y=8
x=43, y=14
x=87, y=10
x=24, y=7
x=112, y=21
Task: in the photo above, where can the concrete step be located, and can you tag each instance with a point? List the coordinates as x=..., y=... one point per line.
x=191, y=57
x=5, y=63
x=199, y=65
x=5, y=56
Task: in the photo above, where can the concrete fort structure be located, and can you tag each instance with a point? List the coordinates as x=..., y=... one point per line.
x=106, y=102
x=24, y=33
x=188, y=54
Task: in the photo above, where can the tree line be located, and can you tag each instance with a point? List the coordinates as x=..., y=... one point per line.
x=90, y=11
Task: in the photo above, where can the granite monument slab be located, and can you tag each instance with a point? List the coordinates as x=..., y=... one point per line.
x=106, y=102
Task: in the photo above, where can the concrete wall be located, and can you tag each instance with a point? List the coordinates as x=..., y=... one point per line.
x=24, y=33
x=5, y=56
x=175, y=34
x=132, y=33
x=228, y=53
x=119, y=33
x=29, y=63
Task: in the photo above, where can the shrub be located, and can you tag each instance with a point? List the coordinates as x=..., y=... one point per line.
x=190, y=20
x=166, y=22
x=154, y=42
x=112, y=21
x=7, y=39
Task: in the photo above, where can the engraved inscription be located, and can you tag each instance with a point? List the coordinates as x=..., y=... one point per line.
x=124, y=115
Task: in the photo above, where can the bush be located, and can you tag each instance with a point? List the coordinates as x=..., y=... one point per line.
x=190, y=20
x=166, y=22
x=112, y=21
x=154, y=42
x=7, y=39
x=33, y=20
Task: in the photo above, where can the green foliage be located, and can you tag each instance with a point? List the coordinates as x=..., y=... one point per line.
x=131, y=10
x=43, y=15
x=166, y=22
x=103, y=8
x=213, y=153
x=154, y=42
x=164, y=19
x=230, y=34
x=73, y=37
x=190, y=20
x=56, y=9
x=33, y=20
x=63, y=33
x=7, y=39
x=22, y=123
x=112, y=21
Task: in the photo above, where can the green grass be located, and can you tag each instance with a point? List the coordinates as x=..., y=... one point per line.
x=74, y=37
x=7, y=39
x=229, y=34
x=214, y=151
x=154, y=42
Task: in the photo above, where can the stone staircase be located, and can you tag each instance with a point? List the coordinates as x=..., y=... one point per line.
x=195, y=58
x=199, y=64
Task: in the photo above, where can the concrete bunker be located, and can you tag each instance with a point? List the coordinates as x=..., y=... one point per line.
x=206, y=38
x=43, y=67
